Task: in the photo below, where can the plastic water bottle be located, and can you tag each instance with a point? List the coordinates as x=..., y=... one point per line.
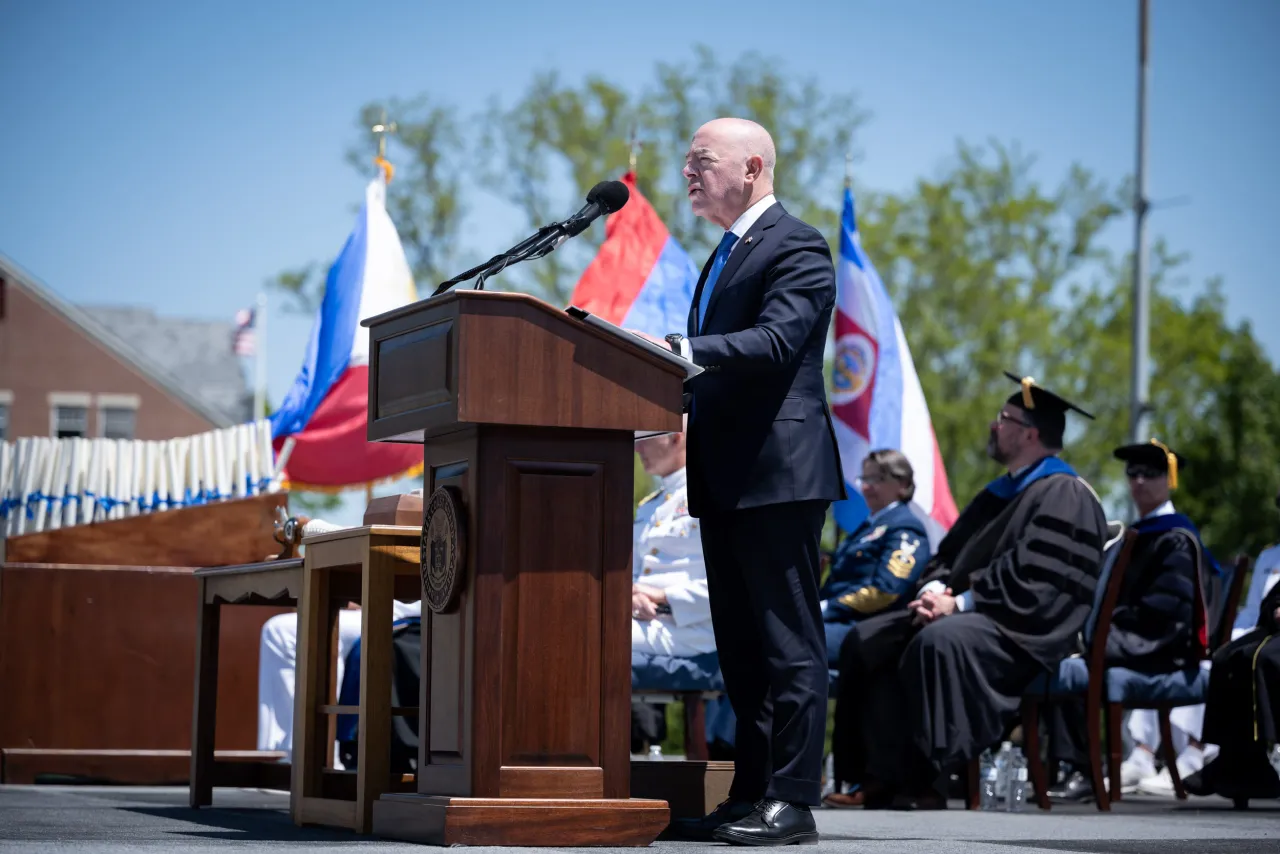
x=655, y=753
x=1004, y=759
x=987, y=798
x=1018, y=786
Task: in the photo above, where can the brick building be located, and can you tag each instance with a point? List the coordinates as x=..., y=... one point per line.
x=117, y=372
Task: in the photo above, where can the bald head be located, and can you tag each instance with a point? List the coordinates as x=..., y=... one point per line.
x=729, y=168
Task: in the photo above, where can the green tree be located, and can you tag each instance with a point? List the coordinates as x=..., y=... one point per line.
x=424, y=198
x=990, y=272
x=561, y=135
x=983, y=264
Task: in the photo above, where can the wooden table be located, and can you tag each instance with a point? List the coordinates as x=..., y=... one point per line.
x=372, y=565
x=272, y=583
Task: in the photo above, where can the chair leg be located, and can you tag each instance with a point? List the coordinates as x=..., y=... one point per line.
x=1115, y=740
x=1093, y=730
x=1170, y=755
x=695, y=726
x=1035, y=764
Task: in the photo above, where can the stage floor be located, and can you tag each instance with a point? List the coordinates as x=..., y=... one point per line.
x=114, y=820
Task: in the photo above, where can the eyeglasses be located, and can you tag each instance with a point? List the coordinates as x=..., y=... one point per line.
x=860, y=482
x=1144, y=472
x=1003, y=416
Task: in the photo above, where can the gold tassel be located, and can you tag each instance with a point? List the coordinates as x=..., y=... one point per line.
x=387, y=169
x=1172, y=459
x=1028, y=402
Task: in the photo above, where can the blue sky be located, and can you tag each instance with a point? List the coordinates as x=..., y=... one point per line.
x=177, y=155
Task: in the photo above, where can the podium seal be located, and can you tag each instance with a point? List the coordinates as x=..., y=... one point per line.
x=443, y=543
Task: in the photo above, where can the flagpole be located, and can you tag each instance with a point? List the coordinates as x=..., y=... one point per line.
x=1139, y=404
x=260, y=359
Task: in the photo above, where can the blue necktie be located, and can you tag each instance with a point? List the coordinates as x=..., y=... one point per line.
x=722, y=255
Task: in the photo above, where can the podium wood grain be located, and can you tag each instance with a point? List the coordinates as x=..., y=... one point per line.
x=524, y=727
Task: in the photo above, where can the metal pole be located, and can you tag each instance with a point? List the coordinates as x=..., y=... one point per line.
x=260, y=360
x=1139, y=403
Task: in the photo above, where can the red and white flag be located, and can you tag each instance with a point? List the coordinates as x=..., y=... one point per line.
x=242, y=343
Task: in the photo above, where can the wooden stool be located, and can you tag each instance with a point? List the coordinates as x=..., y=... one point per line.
x=272, y=583
x=372, y=565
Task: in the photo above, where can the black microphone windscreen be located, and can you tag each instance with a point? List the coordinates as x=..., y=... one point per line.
x=609, y=195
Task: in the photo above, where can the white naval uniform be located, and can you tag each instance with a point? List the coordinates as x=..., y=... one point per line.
x=277, y=667
x=668, y=555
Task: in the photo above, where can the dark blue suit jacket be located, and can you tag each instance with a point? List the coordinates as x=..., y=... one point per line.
x=760, y=430
x=876, y=566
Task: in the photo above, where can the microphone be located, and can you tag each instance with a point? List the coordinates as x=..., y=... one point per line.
x=604, y=198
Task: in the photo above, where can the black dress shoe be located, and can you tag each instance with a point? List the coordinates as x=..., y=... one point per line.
x=701, y=829
x=772, y=823
x=1073, y=787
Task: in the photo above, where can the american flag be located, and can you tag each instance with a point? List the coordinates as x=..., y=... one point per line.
x=242, y=342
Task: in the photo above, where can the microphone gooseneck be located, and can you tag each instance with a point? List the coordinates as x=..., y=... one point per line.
x=604, y=198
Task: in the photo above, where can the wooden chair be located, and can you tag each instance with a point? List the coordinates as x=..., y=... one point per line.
x=270, y=583
x=1226, y=616
x=1046, y=687
x=1111, y=690
x=372, y=565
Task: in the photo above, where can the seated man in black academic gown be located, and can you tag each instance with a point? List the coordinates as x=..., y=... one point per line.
x=1242, y=711
x=1001, y=603
x=1159, y=624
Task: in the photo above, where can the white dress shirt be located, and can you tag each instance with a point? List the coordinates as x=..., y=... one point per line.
x=739, y=228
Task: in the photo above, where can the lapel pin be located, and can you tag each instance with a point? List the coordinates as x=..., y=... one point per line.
x=749, y=239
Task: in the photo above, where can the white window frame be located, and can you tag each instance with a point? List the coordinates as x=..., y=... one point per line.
x=6, y=403
x=68, y=399
x=116, y=402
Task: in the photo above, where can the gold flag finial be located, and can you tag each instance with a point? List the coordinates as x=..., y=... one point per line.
x=380, y=130
x=1028, y=402
x=1172, y=459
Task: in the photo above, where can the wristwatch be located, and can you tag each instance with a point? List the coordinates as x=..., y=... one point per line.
x=673, y=341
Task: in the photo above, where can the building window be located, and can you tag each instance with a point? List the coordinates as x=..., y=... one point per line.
x=4, y=422
x=117, y=422
x=70, y=421
x=118, y=415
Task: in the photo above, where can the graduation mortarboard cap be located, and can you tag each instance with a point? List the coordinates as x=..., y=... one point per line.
x=1046, y=411
x=1155, y=454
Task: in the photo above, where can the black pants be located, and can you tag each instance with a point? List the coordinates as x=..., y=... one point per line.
x=1068, y=739
x=848, y=752
x=762, y=580
x=953, y=693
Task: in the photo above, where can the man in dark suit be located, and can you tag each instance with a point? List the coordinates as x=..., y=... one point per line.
x=762, y=470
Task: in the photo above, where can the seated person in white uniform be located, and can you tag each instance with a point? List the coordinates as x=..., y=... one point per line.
x=278, y=661
x=670, y=611
x=671, y=614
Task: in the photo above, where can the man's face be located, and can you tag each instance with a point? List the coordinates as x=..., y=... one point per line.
x=660, y=454
x=716, y=175
x=1148, y=485
x=1010, y=432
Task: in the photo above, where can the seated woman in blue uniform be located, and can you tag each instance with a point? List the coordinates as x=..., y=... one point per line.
x=873, y=570
x=880, y=561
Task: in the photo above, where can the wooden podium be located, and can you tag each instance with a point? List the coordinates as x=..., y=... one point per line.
x=528, y=417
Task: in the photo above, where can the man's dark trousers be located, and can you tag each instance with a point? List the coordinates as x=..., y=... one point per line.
x=762, y=579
